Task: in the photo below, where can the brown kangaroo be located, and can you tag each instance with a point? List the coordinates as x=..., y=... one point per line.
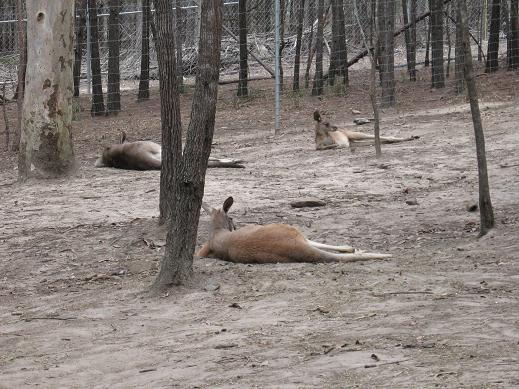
x=271, y=243
x=146, y=155
x=328, y=136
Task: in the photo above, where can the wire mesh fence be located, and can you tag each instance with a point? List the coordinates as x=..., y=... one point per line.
x=321, y=41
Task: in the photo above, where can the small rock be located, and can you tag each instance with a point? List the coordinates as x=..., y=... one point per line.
x=471, y=207
x=211, y=287
x=355, y=111
x=235, y=305
x=361, y=121
x=411, y=202
x=307, y=203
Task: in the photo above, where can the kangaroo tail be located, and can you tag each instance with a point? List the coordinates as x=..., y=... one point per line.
x=325, y=256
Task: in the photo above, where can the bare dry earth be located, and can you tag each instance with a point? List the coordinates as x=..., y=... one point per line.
x=76, y=254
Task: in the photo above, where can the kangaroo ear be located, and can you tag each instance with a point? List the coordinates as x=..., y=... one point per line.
x=335, y=128
x=227, y=204
x=207, y=208
x=123, y=137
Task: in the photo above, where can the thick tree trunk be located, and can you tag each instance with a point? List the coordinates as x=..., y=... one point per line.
x=244, y=66
x=46, y=141
x=514, y=39
x=386, y=55
x=144, y=79
x=299, y=38
x=114, y=91
x=188, y=176
x=438, y=76
x=317, y=88
x=460, y=55
x=485, y=203
x=493, y=38
x=98, y=105
x=338, y=56
x=80, y=42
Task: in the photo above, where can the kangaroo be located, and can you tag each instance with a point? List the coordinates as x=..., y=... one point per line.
x=146, y=155
x=328, y=136
x=271, y=243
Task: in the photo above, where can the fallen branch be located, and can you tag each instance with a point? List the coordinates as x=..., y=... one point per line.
x=31, y=318
x=385, y=363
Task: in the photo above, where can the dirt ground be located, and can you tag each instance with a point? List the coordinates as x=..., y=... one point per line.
x=76, y=255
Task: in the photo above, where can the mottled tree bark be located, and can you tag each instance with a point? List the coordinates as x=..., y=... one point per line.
x=179, y=32
x=114, y=77
x=183, y=173
x=485, y=203
x=46, y=139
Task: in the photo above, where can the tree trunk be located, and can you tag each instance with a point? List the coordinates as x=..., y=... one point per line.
x=386, y=55
x=438, y=76
x=187, y=177
x=412, y=46
x=114, y=91
x=98, y=105
x=179, y=31
x=144, y=79
x=299, y=38
x=244, y=66
x=46, y=141
x=427, y=60
x=407, y=36
x=485, y=203
x=493, y=38
x=80, y=42
x=281, y=40
x=460, y=56
x=338, y=56
x=310, y=41
x=449, y=43
x=317, y=88
x=514, y=40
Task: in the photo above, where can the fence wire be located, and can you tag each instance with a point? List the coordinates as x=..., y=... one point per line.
x=345, y=25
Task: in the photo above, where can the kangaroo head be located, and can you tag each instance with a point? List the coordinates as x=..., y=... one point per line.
x=220, y=220
x=317, y=116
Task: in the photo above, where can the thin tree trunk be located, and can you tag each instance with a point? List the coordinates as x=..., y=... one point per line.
x=98, y=105
x=311, y=50
x=282, y=40
x=114, y=91
x=438, y=76
x=412, y=46
x=244, y=66
x=449, y=45
x=299, y=38
x=427, y=60
x=460, y=56
x=514, y=41
x=22, y=70
x=80, y=41
x=188, y=175
x=492, y=64
x=317, y=88
x=485, y=203
x=46, y=141
x=144, y=79
x=407, y=36
x=179, y=31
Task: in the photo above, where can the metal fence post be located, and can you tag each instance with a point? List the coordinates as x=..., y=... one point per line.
x=277, y=23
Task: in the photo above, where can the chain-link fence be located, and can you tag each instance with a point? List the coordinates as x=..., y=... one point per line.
x=326, y=38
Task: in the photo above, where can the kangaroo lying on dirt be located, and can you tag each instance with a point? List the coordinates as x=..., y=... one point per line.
x=271, y=243
x=145, y=155
x=328, y=136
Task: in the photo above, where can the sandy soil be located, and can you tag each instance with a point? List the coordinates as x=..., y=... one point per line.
x=76, y=255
